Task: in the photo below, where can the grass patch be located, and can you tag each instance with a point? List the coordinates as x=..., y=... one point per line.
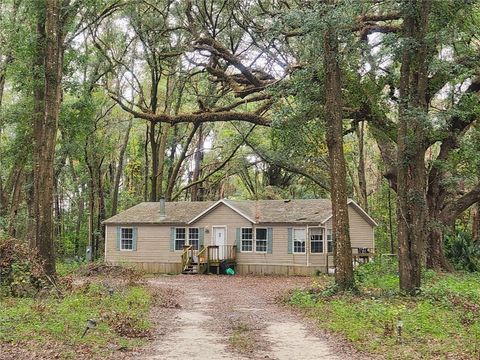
x=242, y=338
x=442, y=322
x=121, y=314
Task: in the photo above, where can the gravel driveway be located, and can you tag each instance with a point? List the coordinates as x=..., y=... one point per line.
x=238, y=317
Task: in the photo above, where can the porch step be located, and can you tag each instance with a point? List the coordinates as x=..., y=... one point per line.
x=190, y=269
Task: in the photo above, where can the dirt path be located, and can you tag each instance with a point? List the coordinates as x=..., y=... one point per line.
x=237, y=317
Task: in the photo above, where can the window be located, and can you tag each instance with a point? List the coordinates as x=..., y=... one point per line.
x=193, y=238
x=316, y=243
x=179, y=238
x=298, y=240
x=247, y=239
x=261, y=240
x=126, y=240
x=329, y=241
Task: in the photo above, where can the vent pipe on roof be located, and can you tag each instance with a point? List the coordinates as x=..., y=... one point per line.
x=163, y=215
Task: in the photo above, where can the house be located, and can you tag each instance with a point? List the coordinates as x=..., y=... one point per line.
x=262, y=237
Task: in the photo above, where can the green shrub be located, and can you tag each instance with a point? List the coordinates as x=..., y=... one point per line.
x=380, y=275
x=462, y=251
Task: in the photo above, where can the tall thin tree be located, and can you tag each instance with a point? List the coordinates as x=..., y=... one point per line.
x=334, y=135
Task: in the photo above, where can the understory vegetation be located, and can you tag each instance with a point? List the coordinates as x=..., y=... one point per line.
x=49, y=319
x=441, y=322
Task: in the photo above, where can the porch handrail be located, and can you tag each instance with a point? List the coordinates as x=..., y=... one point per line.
x=203, y=259
x=228, y=252
x=186, y=257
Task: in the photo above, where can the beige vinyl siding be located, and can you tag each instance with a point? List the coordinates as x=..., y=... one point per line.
x=279, y=255
x=361, y=232
x=222, y=215
x=153, y=245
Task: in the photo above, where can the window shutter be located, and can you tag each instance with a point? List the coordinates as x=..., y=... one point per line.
x=119, y=235
x=269, y=240
x=172, y=239
x=290, y=240
x=237, y=238
x=201, y=232
x=134, y=240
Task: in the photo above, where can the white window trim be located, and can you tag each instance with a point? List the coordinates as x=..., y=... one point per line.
x=266, y=240
x=175, y=240
x=316, y=241
x=121, y=238
x=293, y=241
x=187, y=235
x=252, y=240
x=326, y=240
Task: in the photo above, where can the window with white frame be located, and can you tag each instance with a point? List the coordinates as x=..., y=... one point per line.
x=261, y=240
x=126, y=239
x=180, y=235
x=193, y=238
x=247, y=239
x=299, y=241
x=316, y=243
x=329, y=241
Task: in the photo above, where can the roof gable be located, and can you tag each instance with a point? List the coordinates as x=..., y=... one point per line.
x=359, y=210
x=222, y=201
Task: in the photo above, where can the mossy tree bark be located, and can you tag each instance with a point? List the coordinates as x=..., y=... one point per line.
x=411, y=171
x=338, y=186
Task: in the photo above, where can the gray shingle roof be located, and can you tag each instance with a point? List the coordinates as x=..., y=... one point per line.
x=284, y=211
x=149, y=213
x=261, y=211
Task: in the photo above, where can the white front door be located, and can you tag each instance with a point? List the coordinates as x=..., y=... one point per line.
x=219, y=239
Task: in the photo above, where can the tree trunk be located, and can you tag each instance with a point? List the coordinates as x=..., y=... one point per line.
x=147, y=166
x=15, y=203
x=435, y=257
x=334, y=134
x=154, y=154
x=119, y=170
x=161, y=159
x=411, y=172
x=197, y=192
x=476, y=223
x=47, y=106
x=362, y=181
x=176, y=169
x=101, y=212
x=91, y=200
x=79, y=190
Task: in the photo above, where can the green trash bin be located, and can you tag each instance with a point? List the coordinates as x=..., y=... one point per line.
x=229, y=271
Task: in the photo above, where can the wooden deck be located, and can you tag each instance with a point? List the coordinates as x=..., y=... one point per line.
x=359, y=256
x=208, y=259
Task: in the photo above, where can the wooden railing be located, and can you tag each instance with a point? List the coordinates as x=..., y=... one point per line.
x=359, y=256
x=203, y=260
x=362, y=255
x=217, y=253
x=187, y=255
x=207, y=256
